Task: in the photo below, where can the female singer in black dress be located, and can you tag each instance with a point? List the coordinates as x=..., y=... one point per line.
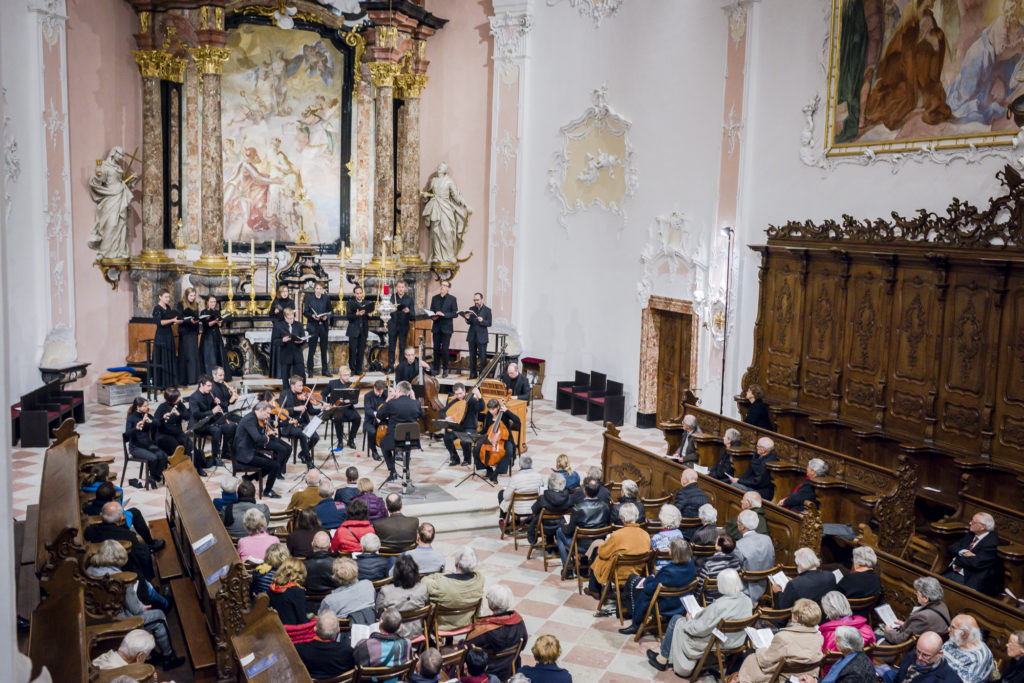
x=170, y=417
x=277, y=306
x=211, y=345
x=165, y=364
x=145, y=443
x=188, y=338
x=757, y=412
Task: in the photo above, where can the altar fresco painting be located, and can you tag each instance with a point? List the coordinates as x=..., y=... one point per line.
x=282, y=122
x=907, y=74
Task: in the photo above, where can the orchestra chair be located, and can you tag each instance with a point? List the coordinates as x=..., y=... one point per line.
x=653, y=616
x=640, y=564
x=512, y=520
x=237, y=467
x=143, y=465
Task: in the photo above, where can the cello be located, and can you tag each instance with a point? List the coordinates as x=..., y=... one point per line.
x=493, y=448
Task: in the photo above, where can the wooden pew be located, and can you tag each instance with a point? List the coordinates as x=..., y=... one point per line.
x=59, y=527
x=264, y=651
x=659, y=476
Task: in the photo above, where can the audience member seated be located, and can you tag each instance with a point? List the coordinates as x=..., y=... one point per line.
x=228, y=492
x=603, y=494
x=459, y=589
x=707, y=532
x=966, y=652
x=405, y=593
x=356, y=525
x=320, y=565
x=755, y=551
x=589, y=513
x=853, y=667
x=500, y=630
x=804, y=492
x=286, y=593
x=556, y=500
x=352, y=598
x=797, y=643
x=375, y=507
x=309, y=496
x=110, y=559
x=751, y=501
x=863, y=581
x=254, y=546
x=326, y=656
x=107, y=492
x=396, y=531
x=372, y=566
x=722, y=470
x=562, y=467
x=690, y=497
x=925, y=664
x=546, y=652
x=330, y=512
x=476, y=667
x=677, y=573
x=233, y=514
x=134, y=649
x=757, y=411
x=669, y=519
x=263, y=575
x=526, y=480
x=630, y=539
x=757, y=477
x=427, y=559
x=111, y=527
x=811, y=582
x=300, y=538
x=687, y=453
x=630, y=496
x=930, y=614
x=351, y=488
x=837, y=610
x=1013, y=668
x=428, y=668
x=724, y=557
x=385, y=648
x=687, y=636
x=975, y=557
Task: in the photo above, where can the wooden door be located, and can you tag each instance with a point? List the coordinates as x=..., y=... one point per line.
x=675, y=340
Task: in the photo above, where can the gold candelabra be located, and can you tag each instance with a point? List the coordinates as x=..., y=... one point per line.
x=252, y=308
x=230, y=307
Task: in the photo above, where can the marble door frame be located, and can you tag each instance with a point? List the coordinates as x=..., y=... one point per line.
x=650, y=331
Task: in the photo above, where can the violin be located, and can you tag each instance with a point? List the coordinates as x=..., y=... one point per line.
x=310, y=397
x=281, y=413
x=270, y=431
x=493, y=449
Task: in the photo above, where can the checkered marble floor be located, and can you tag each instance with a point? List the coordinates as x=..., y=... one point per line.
x=593, y=651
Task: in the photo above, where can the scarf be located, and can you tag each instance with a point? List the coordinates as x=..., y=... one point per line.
x=493, y=622
x=278, y=588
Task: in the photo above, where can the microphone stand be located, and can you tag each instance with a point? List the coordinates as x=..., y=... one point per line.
x=532, y=424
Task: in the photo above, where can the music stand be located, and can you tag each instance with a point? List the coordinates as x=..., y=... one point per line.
x=472, y=463
x=407, y=435
x=327, y=415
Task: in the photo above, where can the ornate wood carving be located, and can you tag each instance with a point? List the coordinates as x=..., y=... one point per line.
x=812, y=530
x=232, y=603
x=894, y=511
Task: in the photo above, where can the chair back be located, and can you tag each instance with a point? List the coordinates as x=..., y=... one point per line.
x=709, y=588
x=776, y=615
x=786, y=669
x=395, y=552
x=442, y=611
x=653, y=615
x=452, y=662
x=424, y=614
x=653, y=505
x=702, y=550
x=347, y=677
x=890, y=653
x=510, y=653
x=858, y=605
x=377, y=673
x=579, y=535
x=380, y=583
x=639, y=562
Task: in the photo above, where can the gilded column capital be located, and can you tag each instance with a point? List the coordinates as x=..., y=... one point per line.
x=383, y=73
x=409, y=85
x=174, y=69
x=210, y=59
x=151, y=62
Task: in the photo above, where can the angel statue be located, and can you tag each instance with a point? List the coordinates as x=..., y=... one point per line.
x=446, y=214
x=111, y=193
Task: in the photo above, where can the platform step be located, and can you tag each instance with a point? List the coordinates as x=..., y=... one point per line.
x=456, y=517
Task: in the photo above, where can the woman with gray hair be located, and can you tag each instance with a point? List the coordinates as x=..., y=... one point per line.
x=630, y=494
x=722, y=470
x=930, y=613
x=707, y=532
x=837, y=610
x=811, y=583
x=804, y=492
x=556, y=500
x=853, y=667
x=677, y=573
x=254, y=546
x=670, y=518
x=863, y=581
x=499, y=630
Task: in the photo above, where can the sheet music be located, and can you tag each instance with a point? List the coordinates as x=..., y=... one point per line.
x=838, y=573
x=759, y=637
x=779, y=579
x=886, y=614
x=314, y=424
x=691, y=605
x=701, y=469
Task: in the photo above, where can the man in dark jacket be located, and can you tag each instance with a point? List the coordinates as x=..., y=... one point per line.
x=357, y=311
x=554, y=499
x=811, y=583
x=319, y=564
x=925, y=664
x=757, y=477
x=590, y=513
x=372, y=566
x=202, y=404
x=401, y=408
x=976, y=562
x=372, y=402
x=479, y=319
x=251, y=437
x=329, y=511
x=396, y=531
x=687, y=453
x=603, y=494
x=351, y=489
x=325, y=656
x=113, y=528
x=690, y=497
x=443, y=309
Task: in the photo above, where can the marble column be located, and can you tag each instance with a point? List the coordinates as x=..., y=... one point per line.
x=210, y=61
x=383, y=78
x=408, y=87
x=151, y=64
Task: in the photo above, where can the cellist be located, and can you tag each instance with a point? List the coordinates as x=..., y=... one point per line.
x=464, y=413
x=496, y=413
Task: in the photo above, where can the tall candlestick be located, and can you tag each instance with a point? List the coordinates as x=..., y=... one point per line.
x=273, y=249
x=229, y=249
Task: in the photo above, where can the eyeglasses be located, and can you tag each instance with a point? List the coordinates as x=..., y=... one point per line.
x=926, y=657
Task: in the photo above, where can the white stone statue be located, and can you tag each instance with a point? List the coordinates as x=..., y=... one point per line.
x=111, y=193
x=446, y=214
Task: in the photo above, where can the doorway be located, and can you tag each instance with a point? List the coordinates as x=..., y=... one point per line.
x=668, y=359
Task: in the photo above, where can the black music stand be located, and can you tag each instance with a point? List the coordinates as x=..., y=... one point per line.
x=328, y=415
x=407, y=435
x=476, y=439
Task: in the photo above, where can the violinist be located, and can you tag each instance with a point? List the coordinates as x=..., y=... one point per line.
x=317, y=311
x=409, y=369
x=203, y=404
x=347, y=416
x=372, y=402
x=496, y=413
x=169, y=418
x=357, y=310
x=398, y=325
x=255, y=434
x=288, y=336
x=516, y=382
x=479, y=319
x=224, y=396
x=145, y=443
x=472, y=406
x=299, y=411
x=400, y=408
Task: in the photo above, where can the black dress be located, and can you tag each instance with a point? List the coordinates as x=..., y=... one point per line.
x=211, y=345
x=757, y=415
x=277, y=307
x=165, y=373
x=188, y=345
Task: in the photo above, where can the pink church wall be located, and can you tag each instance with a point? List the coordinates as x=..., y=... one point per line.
x=105, y=109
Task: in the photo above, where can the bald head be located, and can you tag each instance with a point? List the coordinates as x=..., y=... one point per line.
x=111, y=513
x=929, y=644
x=312, y=478
x=964, y=631
x=321, y=541
x=689, y=477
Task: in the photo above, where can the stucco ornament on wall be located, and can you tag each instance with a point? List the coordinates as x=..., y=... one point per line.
x=595, y=165
x=596, y=10
x=671, y=247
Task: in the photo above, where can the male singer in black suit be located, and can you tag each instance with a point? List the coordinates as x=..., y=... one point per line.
x=222, y=394
x=511, y=423
x=347, y=416
x=201, y=405
x=289, y=335
x=976, y=562
x=517, y=382
x=479, y=319
x=445, y=308
x=317, y=311
x=372, y=402
x=250, y=438
x=469, y=422
x=300, y=412
x=401, y=407
x=356, y=312
x=398, y=325
x=409, y=369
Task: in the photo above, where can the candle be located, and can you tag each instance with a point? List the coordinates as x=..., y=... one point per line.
x=385, y=290
x=273, y=248
x=229, y=248
x=252, y=252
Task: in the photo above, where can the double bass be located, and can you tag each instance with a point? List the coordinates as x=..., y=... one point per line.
x=493, y=448
x=431, y=403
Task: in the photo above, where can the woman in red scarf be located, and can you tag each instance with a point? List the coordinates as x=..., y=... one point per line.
x=500, y=630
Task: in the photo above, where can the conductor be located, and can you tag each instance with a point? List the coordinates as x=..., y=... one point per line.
x=401, y=407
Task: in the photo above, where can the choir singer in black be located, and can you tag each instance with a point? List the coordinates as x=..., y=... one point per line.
x=512, y=423
x=398, y=325
x=356, y=312
x=317, y=311
x=443, y=309
x=479, y=318
x=400, y=408
x=288, y=336
x=255, y=434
